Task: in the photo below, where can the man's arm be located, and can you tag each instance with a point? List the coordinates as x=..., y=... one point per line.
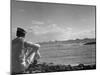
x=32, y=48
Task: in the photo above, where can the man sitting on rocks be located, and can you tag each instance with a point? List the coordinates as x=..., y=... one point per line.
x=23, y=53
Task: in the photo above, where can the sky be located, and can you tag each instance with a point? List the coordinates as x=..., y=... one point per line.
x=52, y=21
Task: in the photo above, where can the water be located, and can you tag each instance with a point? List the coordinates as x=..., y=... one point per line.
x=68, y=53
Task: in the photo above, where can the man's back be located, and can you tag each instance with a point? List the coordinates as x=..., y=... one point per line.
x=17, y=45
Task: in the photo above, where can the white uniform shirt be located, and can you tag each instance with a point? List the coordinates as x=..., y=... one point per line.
x=23, y=50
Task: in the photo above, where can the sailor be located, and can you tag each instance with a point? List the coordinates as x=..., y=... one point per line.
x=23, y=53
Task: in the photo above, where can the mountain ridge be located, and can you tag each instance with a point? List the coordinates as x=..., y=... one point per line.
x=85, y=40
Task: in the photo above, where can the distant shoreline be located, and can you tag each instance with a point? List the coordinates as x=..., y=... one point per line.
x=85, y=40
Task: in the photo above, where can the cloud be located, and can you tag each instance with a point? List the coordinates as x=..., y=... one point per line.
x=50, y=32
x=84, y=34
x=54, y=28
x=55, y=32
x=88, y=33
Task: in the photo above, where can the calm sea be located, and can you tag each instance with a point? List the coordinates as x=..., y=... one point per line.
x=68, y=53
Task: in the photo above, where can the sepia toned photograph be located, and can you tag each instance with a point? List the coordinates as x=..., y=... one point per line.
x=52, y=37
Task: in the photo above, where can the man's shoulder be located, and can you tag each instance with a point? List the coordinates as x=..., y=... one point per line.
x=16, y=40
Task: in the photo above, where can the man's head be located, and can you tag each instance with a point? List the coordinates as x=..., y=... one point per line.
x=20, y=32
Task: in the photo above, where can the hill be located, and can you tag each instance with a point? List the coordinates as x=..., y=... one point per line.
x=86, y=40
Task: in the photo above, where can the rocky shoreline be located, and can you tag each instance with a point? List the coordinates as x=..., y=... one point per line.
x=50, y=67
